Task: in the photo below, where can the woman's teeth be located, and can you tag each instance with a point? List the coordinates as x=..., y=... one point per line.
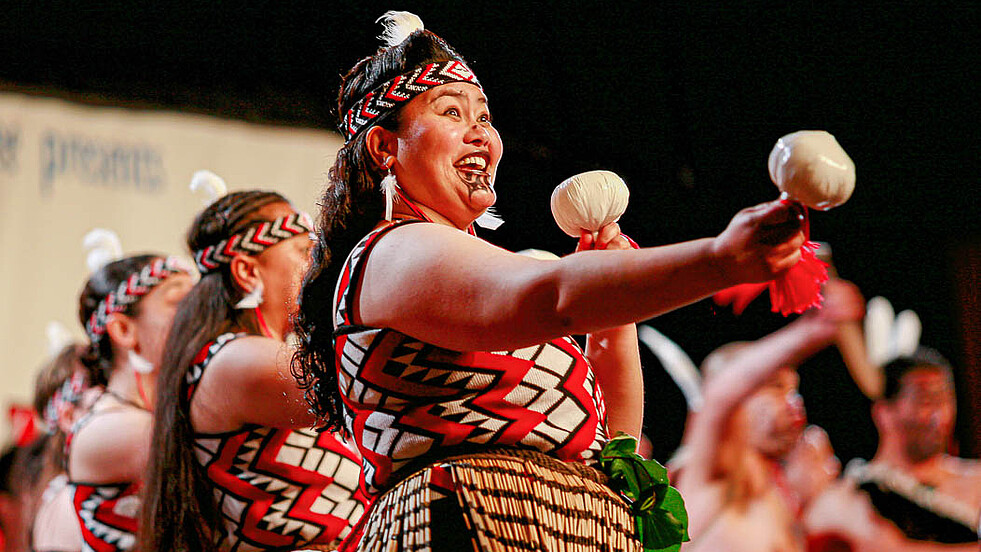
x=472, y=162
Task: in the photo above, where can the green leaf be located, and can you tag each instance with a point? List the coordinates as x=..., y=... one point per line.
x=659, y=511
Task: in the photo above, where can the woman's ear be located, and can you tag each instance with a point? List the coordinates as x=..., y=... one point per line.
x=245, y=273
x=121, y=330
x=382, y=145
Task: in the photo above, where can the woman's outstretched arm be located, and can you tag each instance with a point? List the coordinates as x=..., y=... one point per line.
x=444, y=287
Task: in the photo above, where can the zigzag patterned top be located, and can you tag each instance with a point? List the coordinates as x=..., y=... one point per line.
x=130, y=291
x=108, y=513
x=277, y=488
x=406, y=400
x=393, y=93
x=253, y=240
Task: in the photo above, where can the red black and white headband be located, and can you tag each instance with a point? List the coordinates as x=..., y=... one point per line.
x=131, y=290
x=253, y=240
x=393, y=93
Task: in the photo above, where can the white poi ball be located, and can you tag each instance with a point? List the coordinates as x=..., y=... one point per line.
x=589, y=201
x=811, y=167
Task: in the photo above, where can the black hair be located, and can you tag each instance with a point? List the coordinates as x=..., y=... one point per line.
x=179, y=508
x=893, y=372
x=350, y=208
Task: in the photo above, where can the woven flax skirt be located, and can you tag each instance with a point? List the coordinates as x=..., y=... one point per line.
x=500, y=501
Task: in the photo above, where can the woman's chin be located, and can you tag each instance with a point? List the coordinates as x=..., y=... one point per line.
x=482, y=199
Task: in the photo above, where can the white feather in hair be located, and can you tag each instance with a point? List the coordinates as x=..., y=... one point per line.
x=210, y=183
x=676, y=363
x=58, y=337
x=398, y=26
x=887, y=335
x=101, y=247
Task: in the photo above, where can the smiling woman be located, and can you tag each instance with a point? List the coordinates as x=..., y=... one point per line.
x=449, y=360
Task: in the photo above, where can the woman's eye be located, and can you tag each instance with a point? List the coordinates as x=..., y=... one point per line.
x=452, y=111
x=486, y=118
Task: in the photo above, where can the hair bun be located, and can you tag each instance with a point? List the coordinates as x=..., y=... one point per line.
x=398, y=26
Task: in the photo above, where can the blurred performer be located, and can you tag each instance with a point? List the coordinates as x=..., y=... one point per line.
x=126, y=308
x=752, y=416
x=837, y=516
x=61, y=390
x=235, y=463
x=930, y=495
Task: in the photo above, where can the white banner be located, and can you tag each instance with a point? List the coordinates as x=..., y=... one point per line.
x=67, y=168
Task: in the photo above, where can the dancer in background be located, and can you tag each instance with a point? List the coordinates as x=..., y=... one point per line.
x=931, y=496
x=500, y=447
x=235, y=465
x=750, y=419
x=62, y=389
x=126, y=308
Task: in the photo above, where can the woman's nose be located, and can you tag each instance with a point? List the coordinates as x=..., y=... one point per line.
x=477, y=134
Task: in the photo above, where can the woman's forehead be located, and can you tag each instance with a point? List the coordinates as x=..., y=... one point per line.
x=455, y=89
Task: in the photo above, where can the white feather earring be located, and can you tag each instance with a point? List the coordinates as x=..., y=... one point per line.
x=387, y=186
x=489, y=219
x=398, y=26
x=252, y=299
x=139, y=364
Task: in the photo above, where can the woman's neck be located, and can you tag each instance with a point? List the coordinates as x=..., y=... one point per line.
x=132, y=386
x=406, y=208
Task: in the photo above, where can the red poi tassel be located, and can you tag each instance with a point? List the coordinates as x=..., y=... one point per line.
x=794, y=291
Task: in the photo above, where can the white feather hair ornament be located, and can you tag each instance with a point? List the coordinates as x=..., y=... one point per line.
x=101, y=247
x=889, y=336
x=58, y=337
x=210, y=184
x=398, y=26
x=676, y=363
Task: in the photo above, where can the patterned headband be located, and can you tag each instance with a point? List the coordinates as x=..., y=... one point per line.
x=130, y=291
x=252, y=241
x=65, y=397
x=393, y=93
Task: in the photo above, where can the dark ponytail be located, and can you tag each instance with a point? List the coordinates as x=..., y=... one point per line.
x=351, y=207
x=179, y=508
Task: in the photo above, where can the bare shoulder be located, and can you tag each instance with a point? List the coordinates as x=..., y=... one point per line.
x=247, y=351
x=967, y=468
x=105, y=448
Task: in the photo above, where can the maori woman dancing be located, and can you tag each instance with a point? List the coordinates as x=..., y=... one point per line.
x=235, y=463
x=126, y=308
x=448, y=359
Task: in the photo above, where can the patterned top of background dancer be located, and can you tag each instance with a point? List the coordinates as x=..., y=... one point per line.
x=277, y=488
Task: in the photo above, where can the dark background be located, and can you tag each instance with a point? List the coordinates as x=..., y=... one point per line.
x=684, y=102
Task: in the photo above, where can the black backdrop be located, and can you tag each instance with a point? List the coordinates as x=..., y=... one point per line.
x=683, y=101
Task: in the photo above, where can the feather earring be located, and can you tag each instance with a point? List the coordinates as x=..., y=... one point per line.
x=139, y=364
x=253, y=299
x=388, y=185
x=489, y=219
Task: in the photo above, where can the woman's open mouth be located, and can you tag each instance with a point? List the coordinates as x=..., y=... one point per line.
x=473, y=172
